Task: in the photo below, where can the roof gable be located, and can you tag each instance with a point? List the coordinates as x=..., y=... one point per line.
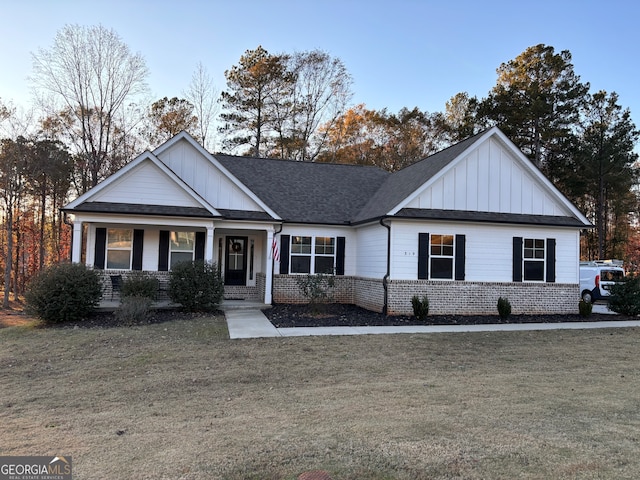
x=146, y=184
x=485, y=173
x=144, y=181
x=208, y=177
x=402, y=184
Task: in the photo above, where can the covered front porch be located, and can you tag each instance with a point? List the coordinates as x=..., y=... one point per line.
x=118, y=245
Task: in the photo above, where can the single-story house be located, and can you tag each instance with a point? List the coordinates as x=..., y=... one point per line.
x=472, y=223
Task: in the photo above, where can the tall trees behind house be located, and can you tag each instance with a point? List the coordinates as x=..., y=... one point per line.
x=35, y=177
x=87, y=79
x=275, y=104
x=536, y=102
x=256, y=98
x=168, y=117
x=203, y=95
x=605, y=172
x=389, y=141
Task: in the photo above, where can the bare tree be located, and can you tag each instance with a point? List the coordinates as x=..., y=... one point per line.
x=90, y=76
x=203, y=95
x=321, y=93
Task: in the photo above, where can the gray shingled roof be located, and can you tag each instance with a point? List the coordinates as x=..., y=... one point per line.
x=489, y=217
x=306, y=192
x=136, y=208
x=333, y=194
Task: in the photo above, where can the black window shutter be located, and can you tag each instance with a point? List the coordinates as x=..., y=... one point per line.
x=517, y=259
x=284, y=254
x=138, y=241
x=423, y=256
x=200, y=241
x=163, y=253
x=100, y=248
x=551, y=260
x=460, y=256
x=340, y=243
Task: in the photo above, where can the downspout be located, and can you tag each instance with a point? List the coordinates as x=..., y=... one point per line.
x=385, y=279
x=273, y=262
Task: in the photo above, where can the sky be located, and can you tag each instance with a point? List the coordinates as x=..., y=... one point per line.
x=400, y=53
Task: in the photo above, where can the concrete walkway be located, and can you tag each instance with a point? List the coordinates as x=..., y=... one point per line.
x=252, y=323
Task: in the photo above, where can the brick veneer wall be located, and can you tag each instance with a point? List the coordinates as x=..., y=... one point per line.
x=107, y=285
x=469, y=298
x=369, y=293
x=287, y=290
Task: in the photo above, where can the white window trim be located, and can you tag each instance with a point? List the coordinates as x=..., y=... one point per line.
x=312, y=255
x=119, y=249
x=171, y=250
x=452, y=257
x=542, y=260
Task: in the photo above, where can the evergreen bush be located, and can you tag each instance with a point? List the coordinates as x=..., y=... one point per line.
x=420, y=307
x=197, y=286
x=139, y=284
x=625, y=296
x=66, y=292
x=504, y=308
x=585, y=308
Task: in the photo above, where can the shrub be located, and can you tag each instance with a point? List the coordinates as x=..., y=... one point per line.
x=585, y=308
x=317, y=289
x=420, y=307
x=133, y=309
x=625, y=296
x=197, y=286
x=139, y=284
x=66, y=292
x=504, y=308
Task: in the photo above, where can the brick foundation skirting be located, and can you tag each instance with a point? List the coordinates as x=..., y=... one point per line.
x=481, y=298
x=445, y=298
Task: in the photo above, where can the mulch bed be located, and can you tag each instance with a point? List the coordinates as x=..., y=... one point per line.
x=340, y=315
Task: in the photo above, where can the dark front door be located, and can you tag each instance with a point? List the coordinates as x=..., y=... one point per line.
x=235, y=265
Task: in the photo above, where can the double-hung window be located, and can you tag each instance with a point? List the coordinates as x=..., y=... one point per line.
x=313, y=254
x=119, y=247
x=441, y=257
x=181, y=247
x=534, y=259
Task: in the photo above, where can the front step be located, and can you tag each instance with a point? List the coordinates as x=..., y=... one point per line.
x=227, y=305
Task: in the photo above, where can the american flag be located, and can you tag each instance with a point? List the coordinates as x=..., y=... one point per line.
x=275, y=254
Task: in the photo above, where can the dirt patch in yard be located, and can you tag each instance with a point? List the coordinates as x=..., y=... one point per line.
x=342, y=315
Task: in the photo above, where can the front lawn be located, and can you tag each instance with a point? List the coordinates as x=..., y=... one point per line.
x=178, y=400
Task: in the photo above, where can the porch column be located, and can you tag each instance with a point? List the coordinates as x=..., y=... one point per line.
x=208, y=244
x=268, y=283
x=76, y=247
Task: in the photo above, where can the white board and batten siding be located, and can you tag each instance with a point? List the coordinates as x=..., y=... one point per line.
x=489, y=178
x=488, y=252
x=203, y=176
x=148, y=185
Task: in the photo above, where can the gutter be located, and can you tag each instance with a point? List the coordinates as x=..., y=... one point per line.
x=385, y=279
